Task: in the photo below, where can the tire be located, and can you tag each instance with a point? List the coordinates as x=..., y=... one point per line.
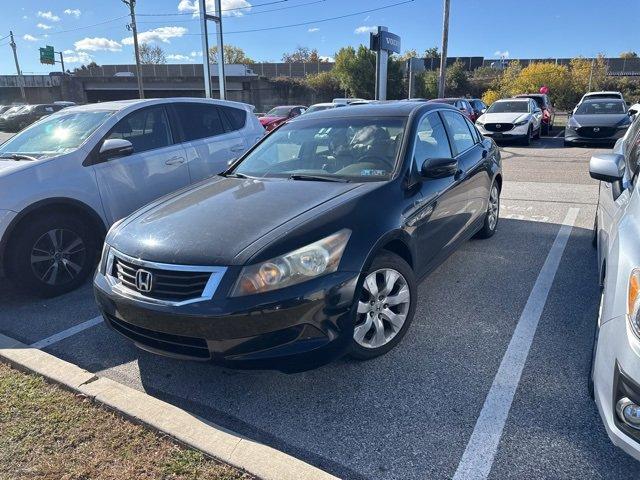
x=592, y=365
x=492, y=216
x=594, y=236
x=52, y=254
x=369, y=341
x=538, y=132
x=527, y=140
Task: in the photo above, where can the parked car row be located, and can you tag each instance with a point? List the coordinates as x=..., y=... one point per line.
x=17, y=117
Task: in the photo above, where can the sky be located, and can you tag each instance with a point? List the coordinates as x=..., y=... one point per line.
x=95, y=30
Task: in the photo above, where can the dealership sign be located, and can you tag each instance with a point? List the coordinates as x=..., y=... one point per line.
x=383, y=40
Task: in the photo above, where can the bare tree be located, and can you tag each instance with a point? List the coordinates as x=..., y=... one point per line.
x=152, y=54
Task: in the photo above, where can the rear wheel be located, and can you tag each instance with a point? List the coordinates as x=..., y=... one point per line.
x=493, y=213
x=386, y=306
x=52, y=254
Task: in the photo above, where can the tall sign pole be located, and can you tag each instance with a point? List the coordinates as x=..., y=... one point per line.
x=443, y=55
x=204, y=33
x=15, y=57
x=383, y=42
x=132, y=26
x=221, y=78
x=217, y=18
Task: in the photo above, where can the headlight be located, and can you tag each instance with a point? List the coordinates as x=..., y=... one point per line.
x=521, y=122
x=479, y=123
x=314, y=260
x=633, y=300
x=102, y=266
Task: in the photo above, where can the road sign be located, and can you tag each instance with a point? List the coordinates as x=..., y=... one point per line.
x=383, y=42
x=47, y=55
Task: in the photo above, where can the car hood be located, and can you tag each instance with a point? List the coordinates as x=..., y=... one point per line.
x=601, y=120
x=505, y=117
x=265, y=120
x=213, y=222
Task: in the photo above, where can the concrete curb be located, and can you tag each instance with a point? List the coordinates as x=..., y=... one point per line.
x=260, y=460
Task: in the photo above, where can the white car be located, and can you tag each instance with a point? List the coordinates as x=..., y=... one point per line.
x=614, y=379
x=511, y=119
x=68, y=177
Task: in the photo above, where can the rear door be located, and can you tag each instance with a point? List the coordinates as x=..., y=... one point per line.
x=156, y=167
x=210, y=142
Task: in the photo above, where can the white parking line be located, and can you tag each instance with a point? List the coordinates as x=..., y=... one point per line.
x=479, y=455
x=69, y=332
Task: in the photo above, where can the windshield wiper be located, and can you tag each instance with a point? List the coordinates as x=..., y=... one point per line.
x=18, y=156
x=317, y=178
x=234, y=175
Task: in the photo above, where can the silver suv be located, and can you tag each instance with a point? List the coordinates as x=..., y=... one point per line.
x=67, y=178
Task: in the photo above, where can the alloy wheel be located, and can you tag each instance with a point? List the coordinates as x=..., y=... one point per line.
x=58, y=256
x=382, y=309
x=494, y=207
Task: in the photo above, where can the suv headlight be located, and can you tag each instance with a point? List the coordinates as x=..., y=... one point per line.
x=102, y=266
x=521, y=122
x=311, y=261
x=633, y=301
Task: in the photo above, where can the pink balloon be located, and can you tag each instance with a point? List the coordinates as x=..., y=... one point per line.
x=544, y=90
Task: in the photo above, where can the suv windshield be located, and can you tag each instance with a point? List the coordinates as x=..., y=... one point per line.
x=601, y=107
x=517, y=106
x=278, y=112
x=359, y=149
x=13, y=110
x=57, y=134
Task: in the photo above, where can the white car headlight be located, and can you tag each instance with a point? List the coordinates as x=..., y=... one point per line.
x=633, y=301
x=521, y=122
x=311, y=261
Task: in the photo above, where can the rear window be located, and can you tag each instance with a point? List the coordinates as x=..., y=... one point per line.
x=199, y=120
x=236, y=116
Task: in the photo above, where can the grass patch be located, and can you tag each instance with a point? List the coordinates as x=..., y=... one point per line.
x=49, y=433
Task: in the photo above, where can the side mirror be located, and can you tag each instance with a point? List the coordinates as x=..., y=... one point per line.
x=115, y=147
x=608, y=167
x=439, y=167
x=632, y=112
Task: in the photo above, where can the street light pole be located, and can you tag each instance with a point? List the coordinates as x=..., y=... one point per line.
x=217, y=18
x=443, y=55
x=204, y=33
x=221, y=78
x=15, y=57
x=132, y=9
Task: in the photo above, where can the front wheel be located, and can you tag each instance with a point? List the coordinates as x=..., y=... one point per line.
x=52, y=254
x=493, y=214
x=386, y=306
x=527, y=140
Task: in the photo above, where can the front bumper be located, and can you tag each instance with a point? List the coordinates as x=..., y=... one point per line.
x=516, y=133
x=572, y=136
x=293, y=329
x=617, y=374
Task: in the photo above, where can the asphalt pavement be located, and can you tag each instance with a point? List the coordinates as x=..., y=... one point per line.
x=411, y=414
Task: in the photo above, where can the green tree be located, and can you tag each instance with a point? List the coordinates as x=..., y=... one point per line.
x=629, y=54
x=301, y=54
x=325, y=84
x=432, y=52
x=152, y=54
x=457, y=81
x=232, y=54
x=427, y=84
x=408, y=54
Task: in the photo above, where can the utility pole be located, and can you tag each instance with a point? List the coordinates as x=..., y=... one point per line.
x=443, y=54
x=590, y=75
x=221, y=78
x=204, y=33
x=61, y=61
x=217, y=18
x=15, y=57
x=132, y=26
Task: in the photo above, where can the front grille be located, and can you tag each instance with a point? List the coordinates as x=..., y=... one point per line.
x=169, y=285
x=498, y=127
x=596, y=132
x=166, y=342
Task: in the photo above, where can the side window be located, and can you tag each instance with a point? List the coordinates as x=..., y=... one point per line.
x=431, y=140
x=48, y=109
x=237, y=117
x=199, y=120
x=146, y=129
x=459, y=132
x=474, y=131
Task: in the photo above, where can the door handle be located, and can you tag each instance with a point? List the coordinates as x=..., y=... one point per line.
x=237, y=148
x=175, y=161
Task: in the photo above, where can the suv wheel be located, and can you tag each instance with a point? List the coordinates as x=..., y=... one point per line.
x=527, y=140
x=493, y=213
x=386, y=306
x=52, y=254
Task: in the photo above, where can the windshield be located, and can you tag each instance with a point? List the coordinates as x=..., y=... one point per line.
x=600, y=107
x=14, y=109
x=359, y=149
x=278, y=112
x=57, y=134
x=538, y=99
x=509, y=107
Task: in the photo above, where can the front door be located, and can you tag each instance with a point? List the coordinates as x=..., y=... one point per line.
x=156, y=167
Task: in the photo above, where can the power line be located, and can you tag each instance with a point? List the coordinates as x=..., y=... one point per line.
x=224, y=10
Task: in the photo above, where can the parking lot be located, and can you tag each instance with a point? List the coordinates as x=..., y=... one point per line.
x=413, y=412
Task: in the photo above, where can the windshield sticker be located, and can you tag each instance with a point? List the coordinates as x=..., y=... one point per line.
x=372, y=173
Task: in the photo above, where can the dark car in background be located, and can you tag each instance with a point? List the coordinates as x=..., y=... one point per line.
x=461, y=104
x=29, y=114
x=548, y=112
x=310, y=246
x=479, y=107
x=279, y=115
x=599, y=122
x=8, y=113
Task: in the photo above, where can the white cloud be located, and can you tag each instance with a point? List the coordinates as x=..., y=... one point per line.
x=73, y=11
x=313, y=29
x=97, y=43
x=179, y=57
x=504, y=54
x=324, y=58
x=29, y=38
x=365, y=29
x=77, y=57
x=230, y=8
x=25, y=17
x=44, y=26
x=49, y=16
x=160, y=34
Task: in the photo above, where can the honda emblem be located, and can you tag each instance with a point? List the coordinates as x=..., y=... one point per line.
x=144, y=281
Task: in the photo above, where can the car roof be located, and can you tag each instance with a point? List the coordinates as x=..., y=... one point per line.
x=118, y=105
x=448, y=99
x=599, y=100
x=385, y=109
x=514, y=99
x=608, y=92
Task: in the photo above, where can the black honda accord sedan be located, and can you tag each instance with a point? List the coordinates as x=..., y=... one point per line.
x=310, y=245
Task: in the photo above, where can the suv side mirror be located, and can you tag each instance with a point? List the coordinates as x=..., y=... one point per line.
x=608, y=167
x=439, y=167
x=115, y=147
